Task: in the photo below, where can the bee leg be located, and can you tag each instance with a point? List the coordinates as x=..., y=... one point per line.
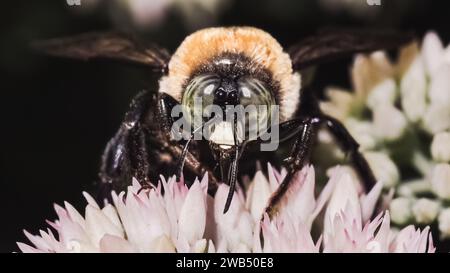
x=349, y=145
x=305, y=130
x=126, y=155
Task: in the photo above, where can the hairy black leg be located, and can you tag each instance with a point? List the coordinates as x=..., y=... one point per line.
x=350, y=147
x=305, y=130
x=125, y=155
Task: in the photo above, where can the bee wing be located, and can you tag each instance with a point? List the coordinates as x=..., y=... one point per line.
x=108, y=45
x=332, y=44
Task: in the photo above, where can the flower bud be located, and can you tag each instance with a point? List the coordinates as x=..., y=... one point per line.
x=439, y=89
x=390, y=123
x=440, y=180
x=413, y=88
x=432, y=50
x=436, y=118
x=363, y=133
x=382, y=93
x=413, y=188
x=383, y=167
x=400, y=210
x=425, y=210
x=444, y=223
x=440, y=147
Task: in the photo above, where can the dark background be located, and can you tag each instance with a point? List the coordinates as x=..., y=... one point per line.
x=56, y=115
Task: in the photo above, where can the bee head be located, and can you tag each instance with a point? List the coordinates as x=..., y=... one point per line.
x=233, y=66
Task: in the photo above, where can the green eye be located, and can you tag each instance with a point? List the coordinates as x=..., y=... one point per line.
x=254, y=93
x=201, y=87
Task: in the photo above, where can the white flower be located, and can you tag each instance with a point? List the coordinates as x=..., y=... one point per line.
x=440, y=180
x=400, y=209
x=383, y=167
x=383, y=93
x=432, y=51
x=363, y=132
x=425, y=210
x=150, y=13
x=413, y=84
x=414, y=187
x=395, y=111
x=440, y=147
x=412, y=240
x=444, y=223
x=174, y=218
x=389, y=122
x=349, y=229
x=235, y=228
x=144, y=222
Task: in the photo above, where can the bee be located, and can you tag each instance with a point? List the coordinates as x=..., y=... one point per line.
x=222, y=66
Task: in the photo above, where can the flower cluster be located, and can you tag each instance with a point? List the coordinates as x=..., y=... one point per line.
x=400, y=114
x=147, y=14
x=174, y=218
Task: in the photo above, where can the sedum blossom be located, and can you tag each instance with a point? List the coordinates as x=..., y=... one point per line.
x=174, y=218
x=399, y=112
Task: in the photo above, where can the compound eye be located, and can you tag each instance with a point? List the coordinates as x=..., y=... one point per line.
x=200, y=93
x=254, y=92
x=258, y=99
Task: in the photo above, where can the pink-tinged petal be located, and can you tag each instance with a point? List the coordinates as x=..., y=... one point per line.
x=369, y=201
x=163, y=244
x=299, y=201
x=211, y=247
x=204, y=183
x=431, y=248
x=258, y=195
x=28, y=249
x=323, y=198
x=228, y=224
x=200, y=246
x=274, y=177
x=38, y=242
x=384, y=233
x=74, y=214
x=98, y=224
x=257, y=247
x=344, y=198
x=286, y=234
x=114, y=244
x=110, y=212
x=193, y=214
x=91, y=201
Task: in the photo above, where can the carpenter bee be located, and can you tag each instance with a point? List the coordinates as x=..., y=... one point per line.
x=223, y=66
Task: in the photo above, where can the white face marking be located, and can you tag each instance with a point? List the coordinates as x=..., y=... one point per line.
x=223, y=134
x=209, y=89
x=246, y=92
